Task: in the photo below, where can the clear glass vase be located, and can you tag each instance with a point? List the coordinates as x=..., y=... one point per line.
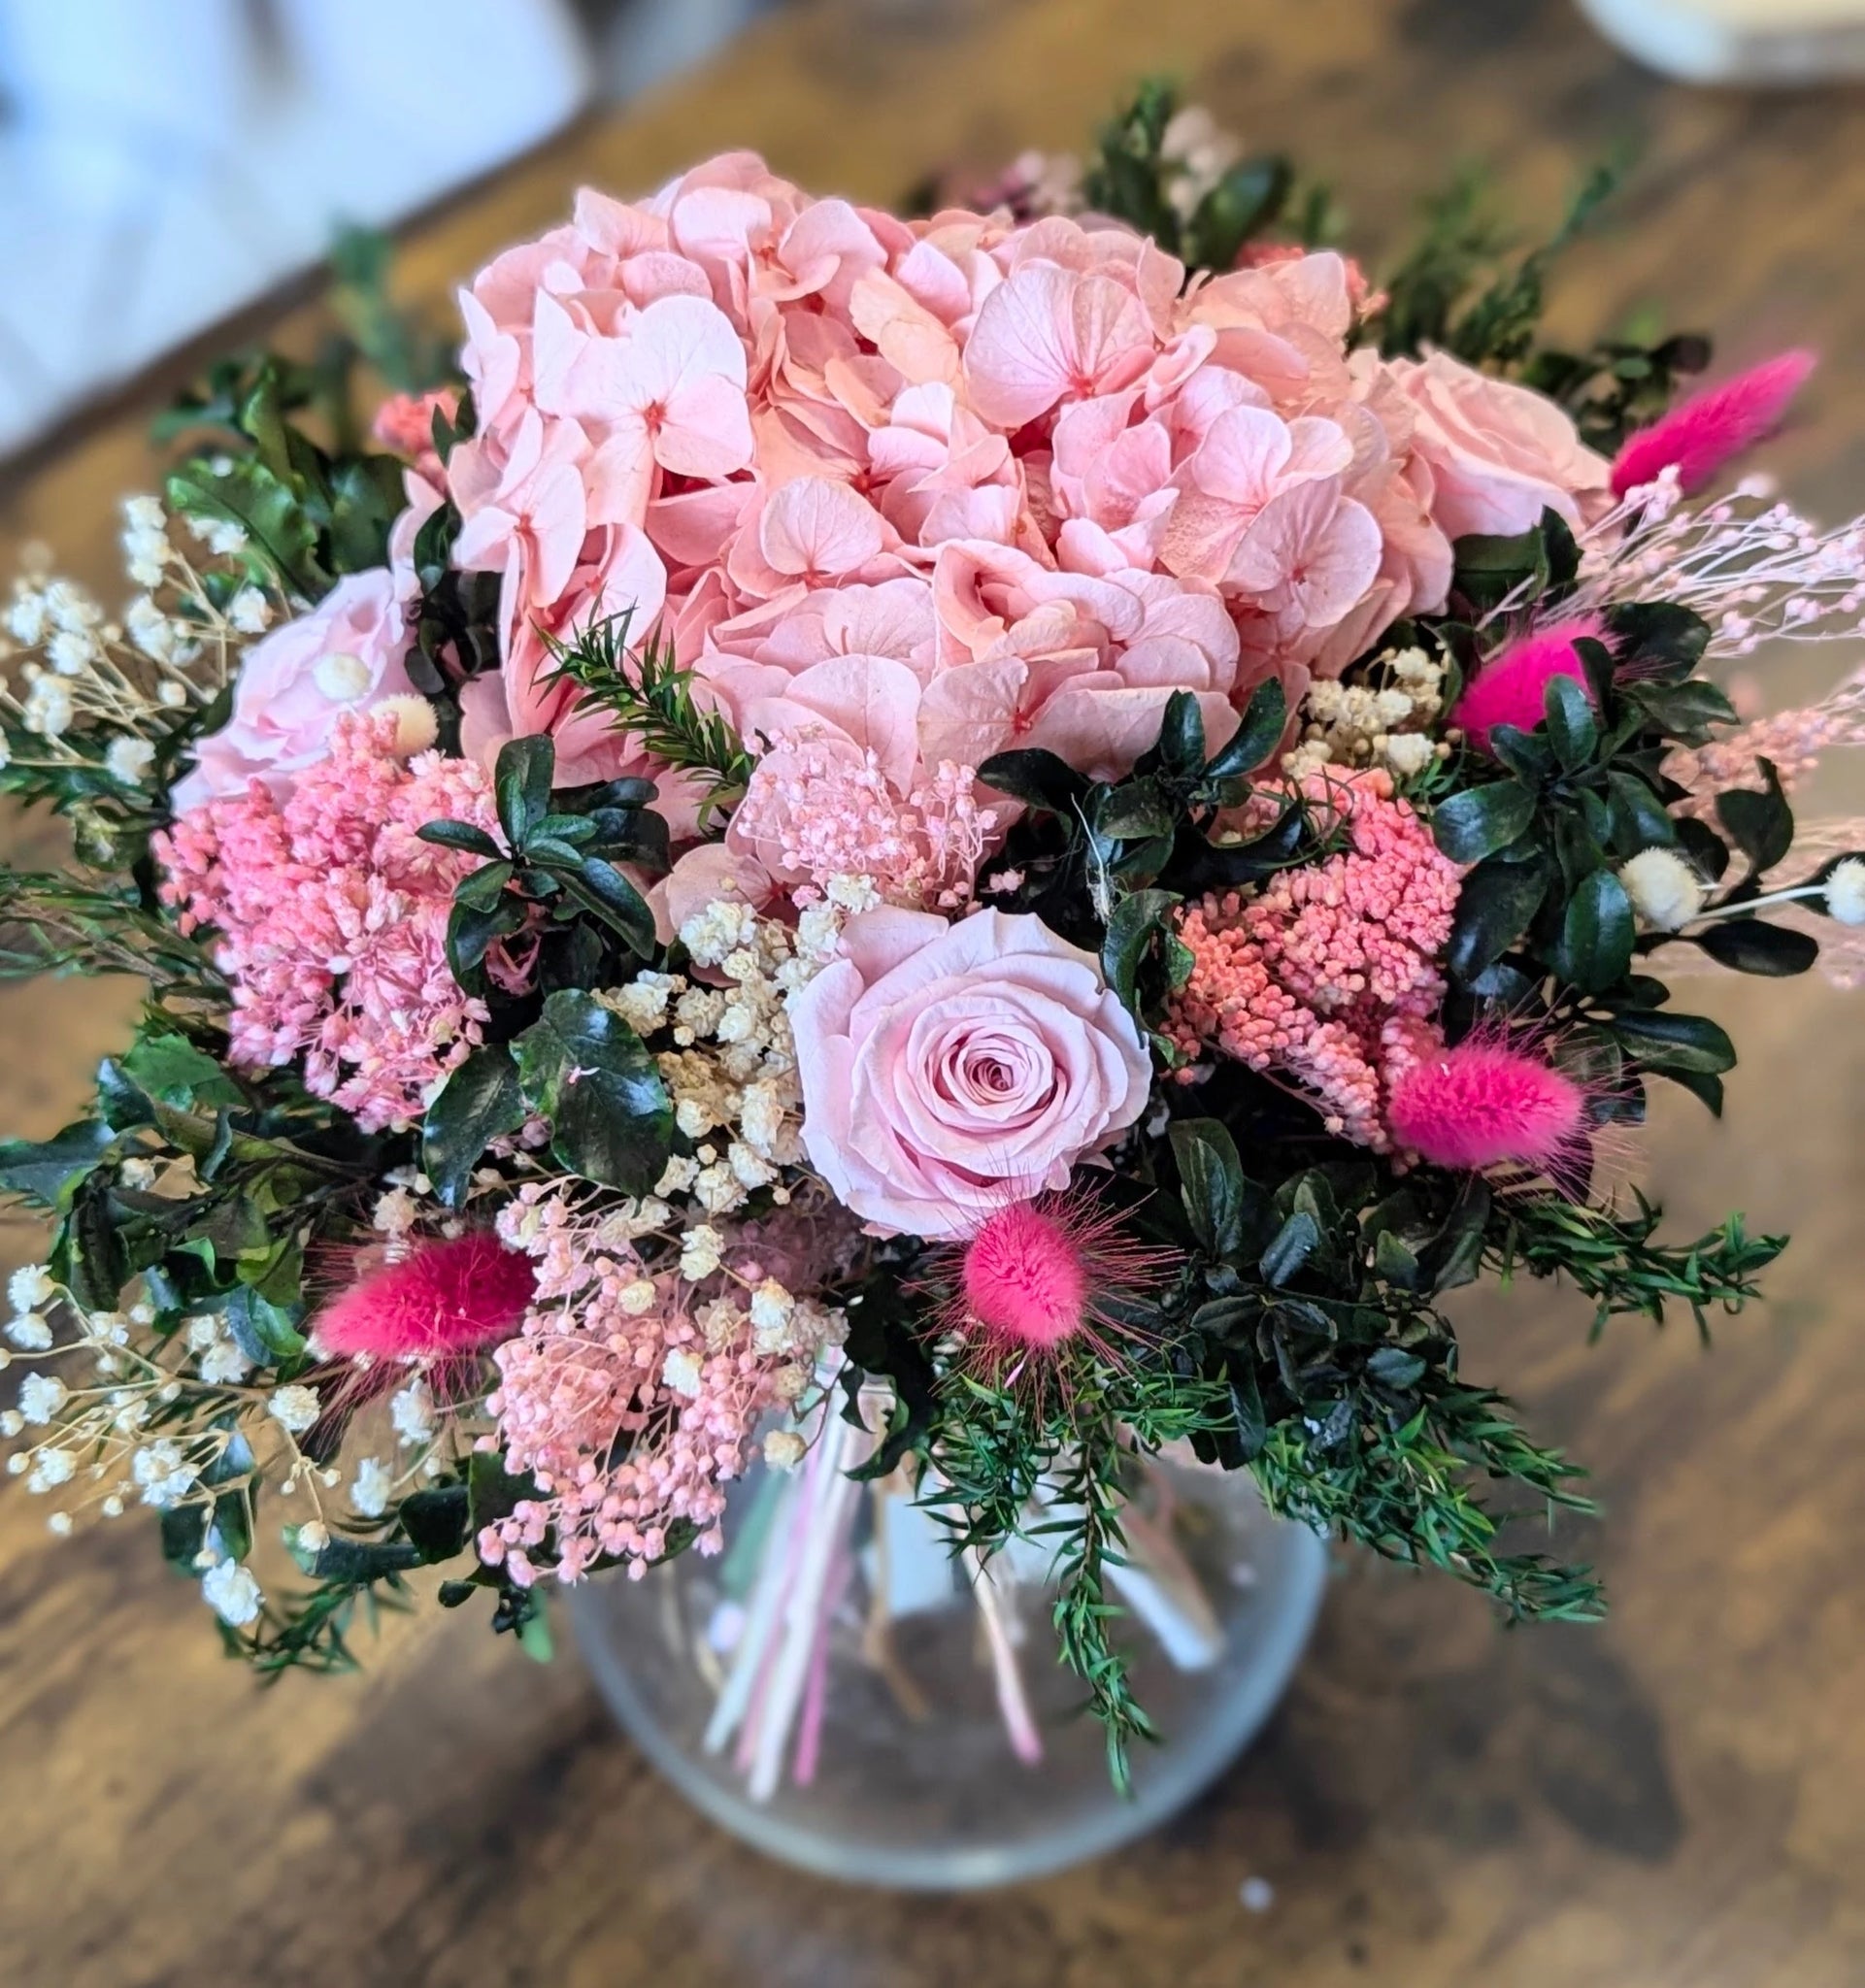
x=937, y=1742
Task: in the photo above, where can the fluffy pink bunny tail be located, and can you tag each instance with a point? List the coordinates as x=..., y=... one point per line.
x=1483, y=1103
x=1026, y=1276
x=451, y=1296
x=1509, y=688
x=1710, y=429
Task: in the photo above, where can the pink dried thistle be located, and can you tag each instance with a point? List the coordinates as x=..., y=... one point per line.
x=1703, y=434
x=1487, y=1103
x=1511, y=686
x=451, y=1296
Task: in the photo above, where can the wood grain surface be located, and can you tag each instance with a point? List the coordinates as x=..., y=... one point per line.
x=1674, y=1800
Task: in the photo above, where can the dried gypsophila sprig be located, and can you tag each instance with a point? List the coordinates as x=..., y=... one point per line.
x=1386, y=718
x=76, y=675
x=1752, y=568
x=172, y=1422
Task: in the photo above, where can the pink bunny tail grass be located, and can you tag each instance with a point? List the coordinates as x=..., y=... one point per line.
x=450, y=1297
x=1486, y=1104
x=1025, y=1275
x=1511, y=687
x=1037, y=1275
x=1701, y=435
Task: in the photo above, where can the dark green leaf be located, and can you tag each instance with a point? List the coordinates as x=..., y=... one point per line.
x=587, y=1069
x=45, y=1171
x=1130, y=934
x=437, y=1521
x=1480, y=820
x=600, y=887
x=1496, y=906
x=1395, y=1366
x=1264, y=721
x=1037, y=778
x=1598, y=933
x=521, y=781
x=267, y=1334
x=1572, y=728
x=1761, y=825
x=1753, y=945
x=1291, y=1247
x=1708, y=852
x=1659, y=641
x=170, y=1070
x=460, y=835
x=1211, y=1184
x=479, y=1102
x=1670, y=1042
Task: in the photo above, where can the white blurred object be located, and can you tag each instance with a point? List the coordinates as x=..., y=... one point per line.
x=1739, y=41
x=647, y=43
x=167, y=160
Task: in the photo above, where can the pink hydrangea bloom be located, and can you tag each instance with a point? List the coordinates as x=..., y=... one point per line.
x=775, y=422
x=332, y=920
x=1328, y=972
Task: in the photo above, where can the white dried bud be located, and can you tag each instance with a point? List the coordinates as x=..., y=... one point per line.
x=129, y=760
x=30, y=1333
x=294, y=1407
x=232, y=1593
x=785, y=1449
x=1666, y=893
x=370, y=1493
x=31, y=1286
x=681, y=1371
x=1845, y=893
x=250, y=612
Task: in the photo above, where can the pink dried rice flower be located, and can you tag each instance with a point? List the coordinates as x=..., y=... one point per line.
x=1708, y=431
x=1511, y=686
x=448, y=1296
x=630, y=1404
x=1321, y=973
x=331, y=917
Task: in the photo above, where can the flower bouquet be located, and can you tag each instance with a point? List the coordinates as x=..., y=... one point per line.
x=967, y=859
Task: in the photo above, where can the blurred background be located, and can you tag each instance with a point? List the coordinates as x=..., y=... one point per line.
x=165, y=162
x=1674, y=1800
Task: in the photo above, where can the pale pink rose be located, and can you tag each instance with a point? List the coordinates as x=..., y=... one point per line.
x=346, y=654
x=1499, y=455
x=947, y=1068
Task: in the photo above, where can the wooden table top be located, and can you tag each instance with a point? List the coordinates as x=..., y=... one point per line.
x=1675, y=1800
